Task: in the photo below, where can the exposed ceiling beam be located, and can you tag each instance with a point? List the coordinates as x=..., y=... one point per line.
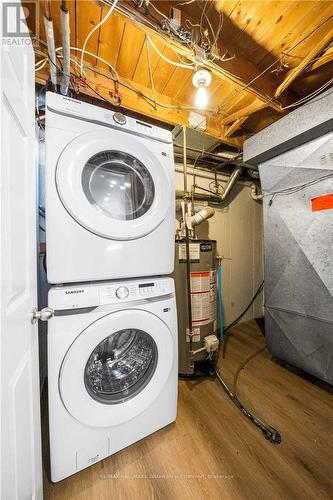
x=312, y=54
x=239, y=69
x=234, y=127
x=324, y=59
x=169, y=113
x=255, y=106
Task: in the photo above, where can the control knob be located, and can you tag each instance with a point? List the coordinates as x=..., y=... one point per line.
x=122, y=292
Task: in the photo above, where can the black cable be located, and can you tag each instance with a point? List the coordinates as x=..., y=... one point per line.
x=246, y=309
x=44, y=263
x=270, y=433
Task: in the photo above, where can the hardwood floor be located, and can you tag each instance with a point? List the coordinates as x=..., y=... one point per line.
x=213, y=452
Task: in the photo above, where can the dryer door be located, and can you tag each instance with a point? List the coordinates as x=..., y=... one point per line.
x=116, y=368
x=113, y=185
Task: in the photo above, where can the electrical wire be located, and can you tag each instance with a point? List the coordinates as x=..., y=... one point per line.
x=295, y=189
x=98, y=25
x=269, y=432
x=91, y=54
x=243, y=365
x=260, y=289
x=166, y=59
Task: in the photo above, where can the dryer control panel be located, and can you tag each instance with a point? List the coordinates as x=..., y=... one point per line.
x=115, y=292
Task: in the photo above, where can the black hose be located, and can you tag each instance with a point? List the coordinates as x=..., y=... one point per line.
x=269, y=432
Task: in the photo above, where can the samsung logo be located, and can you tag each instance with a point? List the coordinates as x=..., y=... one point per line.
x=72, y=100
x=67, y=292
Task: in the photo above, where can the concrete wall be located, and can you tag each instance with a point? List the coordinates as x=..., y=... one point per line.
x=238, y=229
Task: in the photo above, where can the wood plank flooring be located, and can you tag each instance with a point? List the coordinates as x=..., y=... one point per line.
x=213, y=452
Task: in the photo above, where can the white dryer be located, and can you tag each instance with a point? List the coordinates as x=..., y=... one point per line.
x=110, y=194
x=112, y=368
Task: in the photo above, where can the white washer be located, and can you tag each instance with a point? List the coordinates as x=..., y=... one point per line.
x=110, y=194
x=112, y=368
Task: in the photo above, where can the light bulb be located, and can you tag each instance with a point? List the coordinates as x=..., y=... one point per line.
x=201, y=97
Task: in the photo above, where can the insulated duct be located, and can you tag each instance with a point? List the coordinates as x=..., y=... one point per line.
x=48, y=23
x=298, y=228
x=65, y=37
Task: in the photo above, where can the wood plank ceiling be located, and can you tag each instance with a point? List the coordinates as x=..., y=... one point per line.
x=276, y=53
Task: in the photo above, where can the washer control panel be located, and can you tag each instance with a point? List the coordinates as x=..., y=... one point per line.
x=118, y=292
x=138, y=290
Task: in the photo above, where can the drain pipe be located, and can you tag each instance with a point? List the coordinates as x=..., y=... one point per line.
x=48, y=23
x=199, y=217
x=65, y=37
x=216, y=198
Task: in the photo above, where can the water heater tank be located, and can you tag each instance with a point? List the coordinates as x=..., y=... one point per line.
x=203, y=298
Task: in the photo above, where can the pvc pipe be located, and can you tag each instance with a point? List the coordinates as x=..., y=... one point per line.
x=65, y=37
x=219, y=295
x=199, y=217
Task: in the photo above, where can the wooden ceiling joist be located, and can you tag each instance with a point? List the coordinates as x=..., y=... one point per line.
x=234, y=127
x=326, y=57
x=306, y=61
x=236, y=68
x=170, y=112
x=260, y=39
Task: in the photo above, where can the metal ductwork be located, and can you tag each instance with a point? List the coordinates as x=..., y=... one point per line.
x=296, y=173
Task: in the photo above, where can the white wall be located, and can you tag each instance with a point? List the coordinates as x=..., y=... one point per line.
x=238, y=229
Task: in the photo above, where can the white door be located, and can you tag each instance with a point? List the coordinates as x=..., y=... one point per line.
x=113, y=185
x=21, y=469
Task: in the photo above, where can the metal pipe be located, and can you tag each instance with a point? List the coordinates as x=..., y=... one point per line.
x=185, y=159
x=65, y=37
x=48, y=22
x=224, y=160
x=206, y=174
x=232, y=181
x=219, y=295
x=216, y=198
x=187, y=246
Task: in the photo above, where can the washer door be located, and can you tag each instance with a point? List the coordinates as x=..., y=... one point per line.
x=116, y=368
x=113, y=185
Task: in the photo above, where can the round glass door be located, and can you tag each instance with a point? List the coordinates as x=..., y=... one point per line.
x=114, y=185
x=116, y=367
x=120, y=366
x=118, y=184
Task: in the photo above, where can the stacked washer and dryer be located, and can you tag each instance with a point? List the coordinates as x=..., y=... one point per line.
x=112, y=340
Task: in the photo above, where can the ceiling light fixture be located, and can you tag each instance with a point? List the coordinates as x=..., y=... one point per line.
x=201, y=80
